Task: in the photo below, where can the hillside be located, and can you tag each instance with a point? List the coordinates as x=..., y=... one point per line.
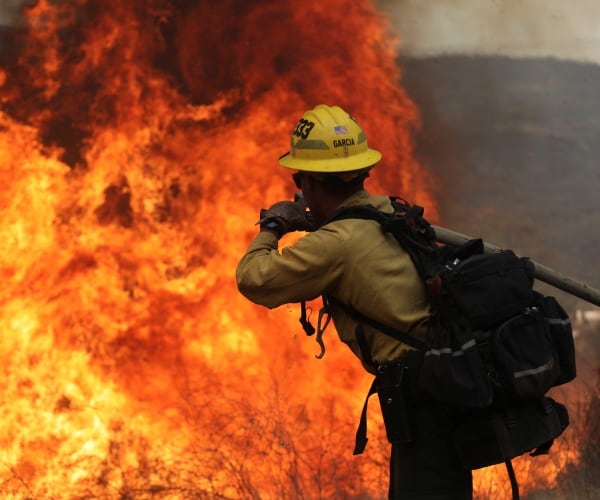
x=514, y=145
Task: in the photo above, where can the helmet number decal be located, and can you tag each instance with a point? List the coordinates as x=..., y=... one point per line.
x=303, y=128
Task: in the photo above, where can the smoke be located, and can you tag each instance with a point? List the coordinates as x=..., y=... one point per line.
x=536, y=28
x=509, y=124
x=11, y=12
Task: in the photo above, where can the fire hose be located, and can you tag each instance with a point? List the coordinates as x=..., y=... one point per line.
x=542, y=272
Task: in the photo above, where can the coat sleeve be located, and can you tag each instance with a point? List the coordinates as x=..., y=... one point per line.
x=302, y=271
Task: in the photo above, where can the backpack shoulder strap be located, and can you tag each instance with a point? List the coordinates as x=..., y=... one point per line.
x=407, y=224
x=368, y=212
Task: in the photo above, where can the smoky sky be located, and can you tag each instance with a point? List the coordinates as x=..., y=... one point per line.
x=10, y=12
x=511, y=27
x=532, y=28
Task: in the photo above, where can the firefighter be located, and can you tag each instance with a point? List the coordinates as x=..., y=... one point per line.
x=358, y=268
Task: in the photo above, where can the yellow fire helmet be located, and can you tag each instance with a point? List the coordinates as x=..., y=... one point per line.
x=328, y=140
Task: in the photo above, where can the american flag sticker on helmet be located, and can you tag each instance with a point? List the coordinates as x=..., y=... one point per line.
x=340, y=129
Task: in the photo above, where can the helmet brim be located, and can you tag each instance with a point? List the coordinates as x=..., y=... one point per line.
x=358, y=161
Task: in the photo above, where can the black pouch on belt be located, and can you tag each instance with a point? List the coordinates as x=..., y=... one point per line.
x=392, y=399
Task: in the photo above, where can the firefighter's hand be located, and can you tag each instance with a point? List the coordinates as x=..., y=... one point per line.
x=287, y=216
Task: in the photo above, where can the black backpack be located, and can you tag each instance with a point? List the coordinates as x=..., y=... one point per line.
x=494, y=347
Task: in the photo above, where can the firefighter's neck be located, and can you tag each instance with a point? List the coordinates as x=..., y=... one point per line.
x=322, y=202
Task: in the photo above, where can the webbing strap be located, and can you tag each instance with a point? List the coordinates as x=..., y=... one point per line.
x=360, y=441
x=392, y=332
x=513, y=480
x=322, y=323
x=304, y=321
x=363, y=345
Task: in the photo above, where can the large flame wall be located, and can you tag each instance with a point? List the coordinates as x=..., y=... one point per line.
x=138, y=140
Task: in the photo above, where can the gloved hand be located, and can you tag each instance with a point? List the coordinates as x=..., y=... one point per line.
x=287, y=216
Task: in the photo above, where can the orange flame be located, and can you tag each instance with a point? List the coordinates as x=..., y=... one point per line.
x=137, y=144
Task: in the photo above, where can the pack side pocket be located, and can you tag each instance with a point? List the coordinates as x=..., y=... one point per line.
x=561, y=333
x=453, y=370
x=525, y=356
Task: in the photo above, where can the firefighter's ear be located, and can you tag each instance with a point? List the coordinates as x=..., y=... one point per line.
x=312, y=184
